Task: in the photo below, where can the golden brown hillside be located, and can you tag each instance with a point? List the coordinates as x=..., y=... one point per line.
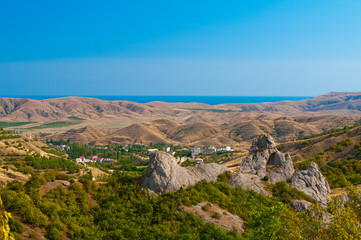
x=206, y=134
x=15, y=148
x=307, y=148
x=95, y=112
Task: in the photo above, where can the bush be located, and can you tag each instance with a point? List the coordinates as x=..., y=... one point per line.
x=224, y=177
x=54, y=234
x=285, y=193
x=342, y=172
x=216, y=215
x=15, y=185
x=317, y=159
x=15, y=226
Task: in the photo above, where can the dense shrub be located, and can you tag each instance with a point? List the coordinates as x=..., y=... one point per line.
x=119, y=210
x=317, y=159
x=342, y=172
x=285, y=193
x=39, y=162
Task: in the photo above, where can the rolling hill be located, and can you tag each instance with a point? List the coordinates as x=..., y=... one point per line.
x=206, y=134
x=96, y=121
x=17, y=109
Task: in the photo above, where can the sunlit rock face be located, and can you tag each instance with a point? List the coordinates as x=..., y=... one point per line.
x=312, y=183
x=265, y=160
x=164, y=174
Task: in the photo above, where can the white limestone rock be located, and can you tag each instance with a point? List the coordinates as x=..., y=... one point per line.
x=249, y=182
x=312, y=183
x=164, y=174
x=265, y=160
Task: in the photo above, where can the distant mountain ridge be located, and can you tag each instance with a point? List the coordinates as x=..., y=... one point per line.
x=122, y=122
x=19, y=109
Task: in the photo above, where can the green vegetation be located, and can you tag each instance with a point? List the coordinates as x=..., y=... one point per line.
x=7, y=135
x=76, y=118
x=317, y=159
x=61, y=164
x=338, y=147
x=216, y=215
x=53, y=150
x=285, y=193
x=332, y=132
x=206, y=207
x=119, y=209
x=357, y=153
x=13, y=124
x=58, y=124
x=123, y=212
x=343, y=172
x=41, y=162
x=305, y=144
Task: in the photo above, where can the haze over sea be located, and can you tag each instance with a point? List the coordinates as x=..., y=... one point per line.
x=212, y=100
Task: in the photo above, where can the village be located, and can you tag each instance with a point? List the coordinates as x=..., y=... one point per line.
x=92, y=159
x=108, y=155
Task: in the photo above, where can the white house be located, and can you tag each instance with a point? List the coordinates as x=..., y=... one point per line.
x=152, y=150
x=226, y=149
x=198, y=160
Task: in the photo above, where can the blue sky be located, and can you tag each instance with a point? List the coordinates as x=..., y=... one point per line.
x=237, y=48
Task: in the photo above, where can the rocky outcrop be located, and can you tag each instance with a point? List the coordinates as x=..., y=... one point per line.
x=280, y=167
x=264, y=159
x=312, y=183
x=263, y=142
x=164, y=174
x=301, y=205
x=249, y=182
x=206, y=211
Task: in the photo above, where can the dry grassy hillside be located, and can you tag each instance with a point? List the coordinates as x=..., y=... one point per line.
x=338, y=153
x=349, y=102
x=95, y=112
x=206, y=134
x=86, y=134
x=305, y=149
x=17, y=147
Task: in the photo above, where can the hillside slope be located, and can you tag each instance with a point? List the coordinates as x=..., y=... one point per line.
x=337, y=152
x=206, y=134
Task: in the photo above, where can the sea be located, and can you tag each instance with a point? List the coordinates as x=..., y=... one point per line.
x=212, y=100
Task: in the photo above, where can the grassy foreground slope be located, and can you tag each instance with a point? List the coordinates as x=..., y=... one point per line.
x=118, y=210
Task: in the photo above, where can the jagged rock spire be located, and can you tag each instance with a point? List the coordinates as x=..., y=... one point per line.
x=265, y=160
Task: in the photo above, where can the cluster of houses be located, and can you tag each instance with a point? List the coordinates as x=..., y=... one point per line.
x=166, y=149
x=209, y=150
x=62, y=146
x=97, y=159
